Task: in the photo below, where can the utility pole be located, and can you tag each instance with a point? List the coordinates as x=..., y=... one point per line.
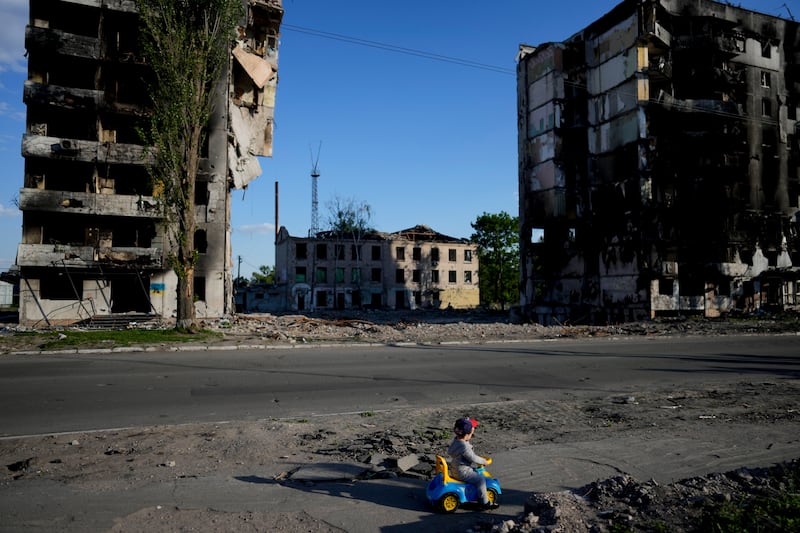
x=239, y=273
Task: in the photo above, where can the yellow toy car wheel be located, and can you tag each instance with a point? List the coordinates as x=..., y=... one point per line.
x=448, y=503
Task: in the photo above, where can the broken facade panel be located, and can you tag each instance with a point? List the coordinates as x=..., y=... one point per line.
x=658, y=165
x=93, y=237
x=416, y=268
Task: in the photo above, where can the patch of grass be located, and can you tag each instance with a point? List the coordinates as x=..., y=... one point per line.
x=367, y=414
x=776, y=514
x=128, y=337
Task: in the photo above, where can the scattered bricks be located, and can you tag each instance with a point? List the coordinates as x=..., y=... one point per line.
x=407, y=462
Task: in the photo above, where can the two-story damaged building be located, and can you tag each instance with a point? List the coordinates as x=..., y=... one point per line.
x=410, y=269
x=658, y=164
x=93, y=240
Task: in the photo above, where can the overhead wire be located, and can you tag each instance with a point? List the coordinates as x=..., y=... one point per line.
x=398, y=49
x=677, y=104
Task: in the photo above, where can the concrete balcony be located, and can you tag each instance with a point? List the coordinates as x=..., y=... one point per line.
x=85, y=151
x=82, y=203
x=87, y=257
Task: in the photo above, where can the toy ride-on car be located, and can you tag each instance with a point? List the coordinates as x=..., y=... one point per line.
x=446, y=493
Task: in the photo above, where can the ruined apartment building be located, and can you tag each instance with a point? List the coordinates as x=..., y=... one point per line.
x=658, y=165
x=416, y=268
x=93, y=243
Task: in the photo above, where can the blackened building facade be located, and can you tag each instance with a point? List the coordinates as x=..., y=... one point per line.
x=658, y=165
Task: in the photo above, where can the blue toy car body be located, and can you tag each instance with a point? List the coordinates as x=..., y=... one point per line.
x=445, y=493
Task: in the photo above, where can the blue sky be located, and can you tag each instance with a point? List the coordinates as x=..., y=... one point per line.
x=422, y=141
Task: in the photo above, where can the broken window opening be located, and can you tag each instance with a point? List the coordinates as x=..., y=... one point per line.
x=766, y=107
x=201, y=193
x=338, y=251
x=416, y=275
x=355, y=275
x=199, y=289
x=451, y=255
x=61, y=287
x=322, y=298
x=666, y=287
x=200, y=241
x=300, y=251
x=376, y=275
x=400, y=275
x=452, y=277
x=321, y=275
x=376, y=253
x=765, y=79
x=434, y=276
x=322, y=251
x=400, y=253
x=416, y=253
x=300, y=274
x=468, y=256
x=435, y=255
x=339, y=275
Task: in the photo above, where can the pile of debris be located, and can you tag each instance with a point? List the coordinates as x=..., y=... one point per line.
x=622, y=503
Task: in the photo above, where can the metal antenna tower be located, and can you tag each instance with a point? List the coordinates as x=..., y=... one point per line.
x=314, y=201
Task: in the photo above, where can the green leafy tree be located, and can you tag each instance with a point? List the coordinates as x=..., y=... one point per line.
x=186, y=44
x=497, y=239
x=265, y=275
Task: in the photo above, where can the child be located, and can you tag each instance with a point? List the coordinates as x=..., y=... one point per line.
x=462, y=457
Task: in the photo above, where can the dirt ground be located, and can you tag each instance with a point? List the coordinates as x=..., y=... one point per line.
x=120, y=460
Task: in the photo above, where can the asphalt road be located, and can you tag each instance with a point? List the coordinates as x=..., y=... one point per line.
x=45, y=394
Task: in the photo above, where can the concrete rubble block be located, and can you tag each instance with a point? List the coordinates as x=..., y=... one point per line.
x=377, y=459
x=407, y=462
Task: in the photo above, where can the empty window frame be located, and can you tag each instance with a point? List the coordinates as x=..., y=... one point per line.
x=468, y=256
x=452, y=277
x=376, y=275
x=301, y=251
x=300, y=274
x=766, y=107
x=416, y=253
x=199, y=289
x=400, y=253
x=434, y=276
x=355, y=275
x=322, y=251
x=400, y=275
x=766, y=81
x=338, y=251
x=61, y=287
x=434, y=254
x=321, y=275
x=468, y=276
x=451, y=255
x=376, y=253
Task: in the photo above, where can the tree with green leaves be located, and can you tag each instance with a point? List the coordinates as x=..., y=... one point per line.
x=265, y=275
x=187, y=44
x=497, y=239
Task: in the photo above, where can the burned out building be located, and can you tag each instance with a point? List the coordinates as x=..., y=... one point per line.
x=658, y=165
x=415, y=268
x=93, y=239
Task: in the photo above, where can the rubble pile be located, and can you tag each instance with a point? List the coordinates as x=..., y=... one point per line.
x=436, y=327
x=622, y=503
